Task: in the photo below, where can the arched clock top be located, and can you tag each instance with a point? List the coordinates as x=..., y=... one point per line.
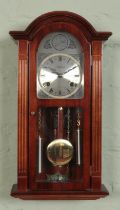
x=60, y=17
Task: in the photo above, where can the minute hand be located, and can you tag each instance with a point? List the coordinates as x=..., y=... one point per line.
x=70, y=69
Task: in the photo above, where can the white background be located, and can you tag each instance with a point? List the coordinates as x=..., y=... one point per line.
x=104, y=15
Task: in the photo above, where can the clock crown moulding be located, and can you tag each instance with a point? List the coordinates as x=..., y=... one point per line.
x=60, y=16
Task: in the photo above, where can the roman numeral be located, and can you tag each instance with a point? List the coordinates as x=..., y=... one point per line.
x=68, y=60
x=59, y=92
x=68, y=90
x=51, y=61
x=60, y=58
x=51, y=90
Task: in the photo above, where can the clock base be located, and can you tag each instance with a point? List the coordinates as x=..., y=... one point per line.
x=57, y=195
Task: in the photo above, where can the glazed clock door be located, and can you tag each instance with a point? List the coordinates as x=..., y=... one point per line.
x=59, y=122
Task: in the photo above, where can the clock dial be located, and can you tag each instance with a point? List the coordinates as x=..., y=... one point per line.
x=60, y=75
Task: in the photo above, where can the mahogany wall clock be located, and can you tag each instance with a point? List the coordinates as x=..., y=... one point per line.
x=59, y=108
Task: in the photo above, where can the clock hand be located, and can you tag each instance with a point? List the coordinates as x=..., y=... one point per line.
x=54, y=70
x=61, y=75
x=69, y=70
x=46, y=67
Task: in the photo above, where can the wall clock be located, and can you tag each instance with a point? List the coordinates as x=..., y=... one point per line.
x=59, y=109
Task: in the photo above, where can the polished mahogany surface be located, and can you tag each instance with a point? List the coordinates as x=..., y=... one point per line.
x=29, y=184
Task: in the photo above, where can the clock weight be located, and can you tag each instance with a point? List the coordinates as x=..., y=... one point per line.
x=78, y=143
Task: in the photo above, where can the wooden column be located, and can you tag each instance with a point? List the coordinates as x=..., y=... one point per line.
x=96, y=114
x=23, y=116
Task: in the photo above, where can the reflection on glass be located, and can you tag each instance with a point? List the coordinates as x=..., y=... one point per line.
x=59, y=157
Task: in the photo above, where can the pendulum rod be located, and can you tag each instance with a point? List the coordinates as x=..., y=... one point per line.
x=68, y=124
x=60, y=129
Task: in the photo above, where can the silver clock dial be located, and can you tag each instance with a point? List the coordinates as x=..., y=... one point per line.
x=60, y=75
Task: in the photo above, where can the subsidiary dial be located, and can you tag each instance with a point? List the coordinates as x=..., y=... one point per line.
x=60, y=75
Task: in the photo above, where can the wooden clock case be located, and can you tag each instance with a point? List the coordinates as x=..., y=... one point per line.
x=27, y=186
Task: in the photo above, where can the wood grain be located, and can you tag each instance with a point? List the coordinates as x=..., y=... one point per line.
x=87, y=182
x=36, y=103
x=96, y=113
x=60, y=16
x=66, y=195
x=23, y=116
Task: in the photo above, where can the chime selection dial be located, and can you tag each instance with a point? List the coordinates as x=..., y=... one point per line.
x=60, y=75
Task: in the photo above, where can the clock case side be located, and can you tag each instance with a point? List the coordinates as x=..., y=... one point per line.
x=95, y=39
x=23, y=106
